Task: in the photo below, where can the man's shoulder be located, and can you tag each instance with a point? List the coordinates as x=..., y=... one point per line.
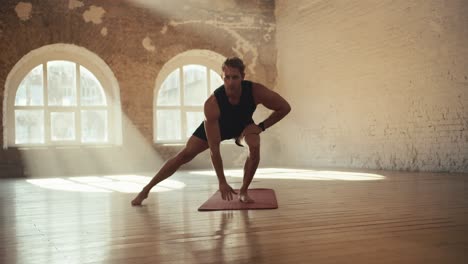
x=211, y=100
x=211, y=108
x=219, y=90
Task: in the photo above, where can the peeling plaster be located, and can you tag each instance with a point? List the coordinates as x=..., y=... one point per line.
x=23, y=10
x=242, y=45
x=94, y=14
x=248, y=20
x=214, y=5
x=72, y=4
x=104, y=31
x=164, y=29
x=269, y=28
x=148, y=45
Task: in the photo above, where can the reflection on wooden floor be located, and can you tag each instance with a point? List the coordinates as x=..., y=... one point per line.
x=328, y=217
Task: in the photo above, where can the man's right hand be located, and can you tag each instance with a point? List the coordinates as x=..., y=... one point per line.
x=226, y=191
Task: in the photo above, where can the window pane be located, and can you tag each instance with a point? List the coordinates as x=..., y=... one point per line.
x=29, y=126
x=194, y=119
x=92, y=92
x=168, y=125
x=169, y=94
x=94, y=126
x=30, y=91
x=195, y=85
x=62, y=126
x=215, y=80
x=61, y=77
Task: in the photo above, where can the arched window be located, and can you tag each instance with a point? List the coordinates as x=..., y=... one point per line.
x=62, y=95
x=182, y=87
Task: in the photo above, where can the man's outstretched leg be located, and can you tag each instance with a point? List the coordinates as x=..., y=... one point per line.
x=193, y=147
x=250, y=167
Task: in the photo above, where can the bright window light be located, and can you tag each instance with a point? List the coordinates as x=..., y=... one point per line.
x=299, y=174
x=114, y=183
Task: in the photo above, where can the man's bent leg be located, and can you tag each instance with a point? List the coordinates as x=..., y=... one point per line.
x=193, y=147
x=251, y=164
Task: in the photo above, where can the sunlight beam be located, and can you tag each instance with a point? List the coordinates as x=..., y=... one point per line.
x=111, y=183
x=299, y=174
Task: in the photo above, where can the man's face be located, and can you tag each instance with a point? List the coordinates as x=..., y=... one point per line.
x=232, y=79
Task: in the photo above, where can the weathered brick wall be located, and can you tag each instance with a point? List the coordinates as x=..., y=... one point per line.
x=136, y=38
x=375, y=84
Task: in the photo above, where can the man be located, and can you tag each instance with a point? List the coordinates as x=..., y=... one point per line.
x=228, y=114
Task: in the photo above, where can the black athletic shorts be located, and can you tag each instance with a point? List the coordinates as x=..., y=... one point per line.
x=229, y=133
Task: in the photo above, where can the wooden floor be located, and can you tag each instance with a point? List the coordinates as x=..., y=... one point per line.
x=390, y=217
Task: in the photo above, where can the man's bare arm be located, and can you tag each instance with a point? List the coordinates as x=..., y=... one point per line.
x=272, y=101
x=213, y=135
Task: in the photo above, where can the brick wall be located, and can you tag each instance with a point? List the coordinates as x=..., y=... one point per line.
x=136, y=38
x=374, y=84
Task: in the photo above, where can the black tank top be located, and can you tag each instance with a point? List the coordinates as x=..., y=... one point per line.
x=234, y=118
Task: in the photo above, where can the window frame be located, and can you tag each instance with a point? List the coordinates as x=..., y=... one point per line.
x=80, y=57
x=210, y=60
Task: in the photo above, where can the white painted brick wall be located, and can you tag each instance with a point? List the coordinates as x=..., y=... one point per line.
x=374, y=84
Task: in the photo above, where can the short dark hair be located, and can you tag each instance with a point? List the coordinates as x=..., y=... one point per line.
x=234, y=62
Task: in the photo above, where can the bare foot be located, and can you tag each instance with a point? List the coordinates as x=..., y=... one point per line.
x=244, y=198
x=139, y=198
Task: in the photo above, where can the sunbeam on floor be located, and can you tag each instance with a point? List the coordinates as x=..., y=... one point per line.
x=134, y=183
x=301, y=174
x=113, y=183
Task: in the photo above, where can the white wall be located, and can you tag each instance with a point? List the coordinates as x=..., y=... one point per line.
x=374, y=84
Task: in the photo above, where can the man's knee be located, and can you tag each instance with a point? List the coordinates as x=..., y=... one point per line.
x=253, y=142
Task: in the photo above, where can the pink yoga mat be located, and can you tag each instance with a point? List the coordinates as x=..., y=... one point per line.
x=264, y=199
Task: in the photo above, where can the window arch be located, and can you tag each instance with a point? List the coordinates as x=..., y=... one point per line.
x=182, y=86
x=61, y=95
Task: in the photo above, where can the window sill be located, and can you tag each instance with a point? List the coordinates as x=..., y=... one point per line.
x=70, y=147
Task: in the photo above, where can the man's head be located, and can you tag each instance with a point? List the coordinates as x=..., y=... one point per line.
x=233, y=74
x=236, y=63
